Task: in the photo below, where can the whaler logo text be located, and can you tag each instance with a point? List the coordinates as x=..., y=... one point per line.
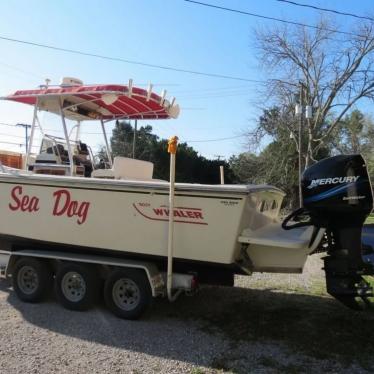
x=336, y=180
x=161, y=213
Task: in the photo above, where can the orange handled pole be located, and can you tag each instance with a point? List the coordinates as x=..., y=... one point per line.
x=172, y=149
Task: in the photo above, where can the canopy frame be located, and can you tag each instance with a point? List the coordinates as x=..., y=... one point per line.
x=33, y=125
x=103, y=103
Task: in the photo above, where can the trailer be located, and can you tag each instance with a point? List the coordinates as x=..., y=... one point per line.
x=82, y=232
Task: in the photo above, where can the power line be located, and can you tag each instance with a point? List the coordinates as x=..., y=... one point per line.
x=6, y=124
x=21, y=70
x=12, y=136
x=326, y=10
x=18, y=136
x=19, y=144
x=212, y=89
x=133, y=62
x=26, y=126
x=215, y=96
x=12, y=143
x=213, y=92
x=51, y=130
x=213, y=140
x=271, y=18
x=98, y=133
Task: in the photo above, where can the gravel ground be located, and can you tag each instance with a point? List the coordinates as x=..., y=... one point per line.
x=218, y=330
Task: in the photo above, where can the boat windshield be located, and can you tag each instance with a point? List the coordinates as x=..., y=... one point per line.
x=55, y=145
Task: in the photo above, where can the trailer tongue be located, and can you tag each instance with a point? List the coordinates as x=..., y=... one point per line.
x=337, y=196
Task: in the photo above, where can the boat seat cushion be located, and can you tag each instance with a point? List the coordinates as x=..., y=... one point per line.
x=129, y=168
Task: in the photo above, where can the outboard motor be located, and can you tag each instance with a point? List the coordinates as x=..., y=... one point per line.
x=337, y=195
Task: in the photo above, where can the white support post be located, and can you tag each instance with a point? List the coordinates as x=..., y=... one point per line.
x=149, y=91
x=134, y=140
x=130, y=87
x=67, y=140
x=169, y=283
x=40, y=126
x=108, y=151
x=33, y=125
x=222, y=175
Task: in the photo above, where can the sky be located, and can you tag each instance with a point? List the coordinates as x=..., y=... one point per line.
x=164, y=32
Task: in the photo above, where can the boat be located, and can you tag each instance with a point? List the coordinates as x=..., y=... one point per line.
x=113, y=208
x=62, y=205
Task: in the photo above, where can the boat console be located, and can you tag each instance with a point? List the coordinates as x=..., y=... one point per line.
x=53, y=158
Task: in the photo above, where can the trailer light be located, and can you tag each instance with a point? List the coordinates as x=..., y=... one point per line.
x=194, y=283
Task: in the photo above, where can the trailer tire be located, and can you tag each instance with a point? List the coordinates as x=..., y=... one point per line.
x=76, y=286
x=31, y=279
x=127, y=293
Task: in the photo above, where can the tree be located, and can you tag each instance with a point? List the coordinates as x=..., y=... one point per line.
x=123, y=136
x=277, y=163
x=246, y=168
x=190, y=167
x=336, y=72
x=355, y=135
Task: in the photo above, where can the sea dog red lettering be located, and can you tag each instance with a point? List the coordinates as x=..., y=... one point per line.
x=64, y=205
x=24, y=203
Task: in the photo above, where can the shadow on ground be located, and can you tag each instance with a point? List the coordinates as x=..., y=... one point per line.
x=316, y=326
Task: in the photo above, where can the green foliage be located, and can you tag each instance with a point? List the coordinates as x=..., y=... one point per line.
x=355, y=134
x=190, y=167
x=277, y=164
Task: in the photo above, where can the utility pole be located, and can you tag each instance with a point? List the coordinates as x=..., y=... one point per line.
x=26, y=127
x=300, y=141
x=301, y=109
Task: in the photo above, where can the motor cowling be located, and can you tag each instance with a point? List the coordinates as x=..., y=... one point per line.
x=337, y=196
x=337, y=191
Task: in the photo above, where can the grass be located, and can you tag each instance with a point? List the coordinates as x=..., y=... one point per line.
x=370, y=219
x=197, y=371
x=321, y=329
x=312, y=324
x=270, y=362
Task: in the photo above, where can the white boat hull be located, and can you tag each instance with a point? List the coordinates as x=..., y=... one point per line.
x=121, y=217
x=132, y=217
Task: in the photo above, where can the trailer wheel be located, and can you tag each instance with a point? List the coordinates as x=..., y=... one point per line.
x=127, y=293
x=31, y=279
x=76, y=286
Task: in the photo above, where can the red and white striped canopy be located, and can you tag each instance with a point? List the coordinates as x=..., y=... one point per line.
x=99, y=102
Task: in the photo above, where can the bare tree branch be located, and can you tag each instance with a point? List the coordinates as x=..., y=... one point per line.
x=336, y=75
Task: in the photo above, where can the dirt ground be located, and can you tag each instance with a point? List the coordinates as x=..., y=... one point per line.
x=267, y=324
